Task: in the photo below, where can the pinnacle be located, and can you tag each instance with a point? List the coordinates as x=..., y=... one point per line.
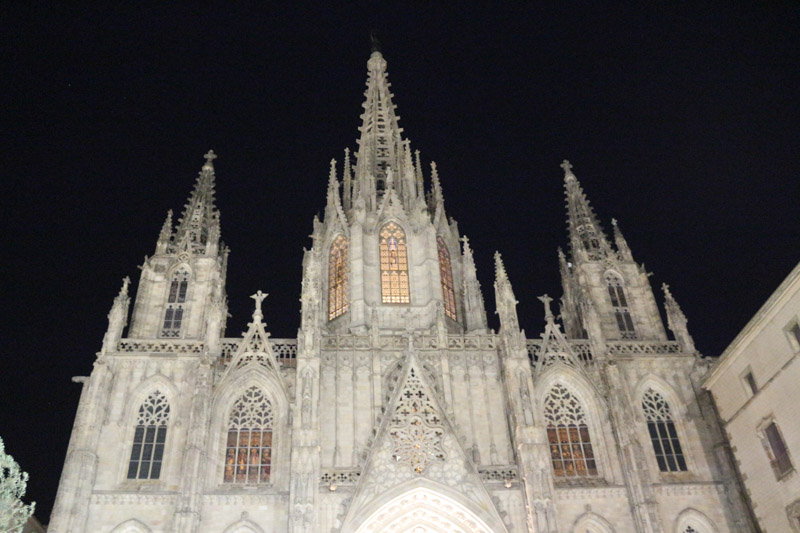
x=499, y=267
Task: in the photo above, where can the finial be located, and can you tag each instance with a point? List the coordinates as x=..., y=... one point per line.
x=258, y=297
x=548, y=314
x=125, y=282
x=567, y=170
x=210, y=157
x=332, y=176
x=375, y=44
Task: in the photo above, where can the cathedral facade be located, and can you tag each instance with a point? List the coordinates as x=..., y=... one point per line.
x=396, y=409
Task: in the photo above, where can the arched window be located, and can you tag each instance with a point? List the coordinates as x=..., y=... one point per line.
x=394, y=265
x=147, y=452
x=568, y=435
x=446, y=274
x=663, y=434
x=176, y=300
x=248, y=451
x=620, y=305
x=337, y=278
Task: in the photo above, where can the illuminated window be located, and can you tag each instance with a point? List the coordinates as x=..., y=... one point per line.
x=176, y=299
x=248, y=450
x=620, y=305
x=337, y=278
x=147, y=452
x=394, y=265
x=446, y=274
x=568, y=435
x=663, y=434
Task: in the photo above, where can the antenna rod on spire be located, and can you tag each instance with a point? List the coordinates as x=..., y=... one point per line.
x=374, y=42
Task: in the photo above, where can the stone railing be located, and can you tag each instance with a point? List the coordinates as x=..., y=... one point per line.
x=581, y=348
x=285, y=350
x=340, y=476
x=502, y=474
x=400, y=342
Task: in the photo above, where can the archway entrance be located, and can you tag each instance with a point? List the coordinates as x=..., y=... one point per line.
x=422, y=510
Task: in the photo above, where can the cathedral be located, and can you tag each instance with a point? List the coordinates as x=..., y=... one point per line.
x=396, y=408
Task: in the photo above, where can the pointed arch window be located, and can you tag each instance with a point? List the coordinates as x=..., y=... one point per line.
x=337, y=278
x=248, y=450
x=619, y=303
x=176, y=301
x=147, y=452
x=571, y=449
x=663, y=434
x=394, y=265
x=446, y=275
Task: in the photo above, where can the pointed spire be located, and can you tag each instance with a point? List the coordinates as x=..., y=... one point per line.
x=420, y=177
x=584, y=229
x=117, y=318
x=380, y=145
x=505, y=300
x=474, y=307
x=623, y=250
x=500, y=274
x=165, y=235
x=199, y=214
x=677, y=321
x=347, y=184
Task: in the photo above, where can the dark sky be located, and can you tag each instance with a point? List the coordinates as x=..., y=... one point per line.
x=683, y=123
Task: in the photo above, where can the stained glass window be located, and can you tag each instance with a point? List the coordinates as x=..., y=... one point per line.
x=147, y=452
x=568, y=435
x=446, y=274
x=394, y=265
x=663, y=435
x=248, y=449
x=620, y=304
x=176, y=299
x=337, y=278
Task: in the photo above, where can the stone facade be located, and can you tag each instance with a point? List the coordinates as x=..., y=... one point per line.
x=755, y=388
x=395, y=408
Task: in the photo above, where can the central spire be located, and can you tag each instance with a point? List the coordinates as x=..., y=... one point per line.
x=381, y=145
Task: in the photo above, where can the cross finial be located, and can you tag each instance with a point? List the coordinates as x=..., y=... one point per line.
x=258, y=297
x=210, y=156
x=548, y=314
x=566, y=166
x=465, y=240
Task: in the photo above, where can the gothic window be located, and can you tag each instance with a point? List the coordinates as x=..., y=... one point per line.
x=620, y=305
x=446, y=274
x=176, y=301
x=663, y=434
x=337, y=278
x=147, y=452
x=776, y=450
x=394, y=265
x=568, y=434
x=248, y=450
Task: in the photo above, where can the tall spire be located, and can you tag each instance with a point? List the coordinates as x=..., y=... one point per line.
x=380, y=145
x=623, y=250
x=677, y=321
x=584, y=229
x=200, y=214
x=474, y=308
x=504, y=297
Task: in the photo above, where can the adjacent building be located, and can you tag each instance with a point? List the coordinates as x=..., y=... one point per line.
x=756, y=387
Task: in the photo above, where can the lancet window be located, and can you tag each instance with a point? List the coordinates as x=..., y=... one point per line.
x=147, y=452
x=663, y=434
x=176, y=301
x=248, y=450
x=394, y=265
x=446, y=275
x=337, y=278
x=620, y=305
x=571, y=449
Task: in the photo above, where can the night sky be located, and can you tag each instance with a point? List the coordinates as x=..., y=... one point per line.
x=682, y=123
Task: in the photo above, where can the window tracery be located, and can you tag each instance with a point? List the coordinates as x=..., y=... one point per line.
x=248, y=450
x=176, y=300
x=338, y=303
x=571, y=449
x=663, y=434
x=394, y=265
x=619, y=302
x=446, y=275
x=147, y=452
x=416, y=427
